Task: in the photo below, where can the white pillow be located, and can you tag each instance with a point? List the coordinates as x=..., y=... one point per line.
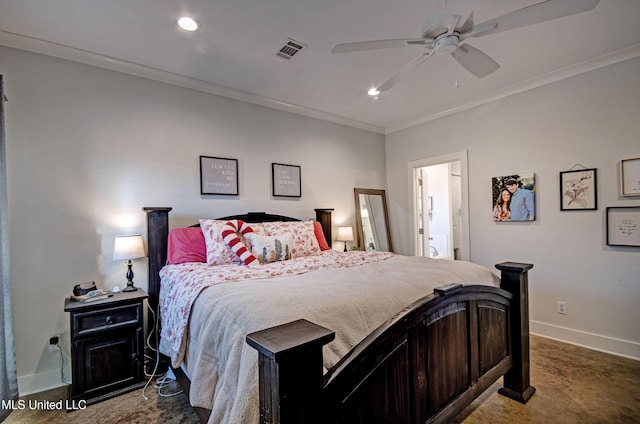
x=271, y=248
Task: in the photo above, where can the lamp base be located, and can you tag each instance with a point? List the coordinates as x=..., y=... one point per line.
x=129, y=287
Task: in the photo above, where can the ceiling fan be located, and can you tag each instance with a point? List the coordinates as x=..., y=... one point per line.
x=447, y=31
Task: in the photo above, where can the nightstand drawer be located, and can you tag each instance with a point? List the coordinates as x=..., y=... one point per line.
x=106, y=319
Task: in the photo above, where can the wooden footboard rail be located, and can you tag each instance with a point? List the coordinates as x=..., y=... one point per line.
x=425, y=365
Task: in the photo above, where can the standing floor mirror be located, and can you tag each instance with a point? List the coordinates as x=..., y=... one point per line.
x=372, y=220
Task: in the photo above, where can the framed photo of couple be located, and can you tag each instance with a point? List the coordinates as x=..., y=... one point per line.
x=514, y=197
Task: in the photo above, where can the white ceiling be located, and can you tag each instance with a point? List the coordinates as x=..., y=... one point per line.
x=234, y=53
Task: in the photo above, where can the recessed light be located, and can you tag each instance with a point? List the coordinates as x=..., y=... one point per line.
x=187, y=23
x=373, y=92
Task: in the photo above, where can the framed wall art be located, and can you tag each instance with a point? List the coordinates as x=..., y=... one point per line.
x=623, y=226
x=630, y=177
x=578, y=190
x=514, y=197
x=286, y=180
x=218, y=176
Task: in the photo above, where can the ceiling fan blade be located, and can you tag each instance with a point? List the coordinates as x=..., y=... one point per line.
x=461, y=8
x=475, y=61
x=379, y=44
x=478, y=31
x=539, y=12
x=404, y=71
x=453, y=23
x=456, y=15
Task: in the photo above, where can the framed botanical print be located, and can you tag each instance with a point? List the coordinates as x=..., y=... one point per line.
x=578, y=190
x=218, y=176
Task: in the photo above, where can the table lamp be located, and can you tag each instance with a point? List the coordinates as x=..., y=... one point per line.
x=345, y=234
x=128, y=247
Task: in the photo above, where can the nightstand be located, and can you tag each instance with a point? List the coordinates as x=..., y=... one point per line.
x=107, y=346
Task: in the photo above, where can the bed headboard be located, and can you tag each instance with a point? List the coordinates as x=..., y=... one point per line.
x=158, y=232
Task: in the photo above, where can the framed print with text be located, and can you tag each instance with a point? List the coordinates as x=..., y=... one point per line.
x=623, y=226
x=286, y=180
x=630, y=177
x=218, y=176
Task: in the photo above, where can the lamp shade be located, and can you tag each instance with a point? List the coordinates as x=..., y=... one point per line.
x=345, y=234
x=128, y=247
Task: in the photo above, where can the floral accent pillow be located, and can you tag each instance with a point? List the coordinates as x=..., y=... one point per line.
x=305, y=242
x=271, y=248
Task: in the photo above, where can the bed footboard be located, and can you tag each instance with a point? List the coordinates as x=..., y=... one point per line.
x=424, y=365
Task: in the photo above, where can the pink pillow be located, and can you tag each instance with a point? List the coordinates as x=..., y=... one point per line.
x=322, y=240
x=186, y=245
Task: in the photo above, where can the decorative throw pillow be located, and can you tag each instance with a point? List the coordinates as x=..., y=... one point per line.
x=271, y=248
x=322, y=240
x=230, y=236
x=218, y=253
x=186, y=245
x=305, y=242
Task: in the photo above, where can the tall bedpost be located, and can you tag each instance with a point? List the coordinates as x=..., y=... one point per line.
x=514, y=279
x=323, y=216
x=290, y=371
x=157, y=235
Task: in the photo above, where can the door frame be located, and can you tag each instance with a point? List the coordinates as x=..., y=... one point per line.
x=465, y=249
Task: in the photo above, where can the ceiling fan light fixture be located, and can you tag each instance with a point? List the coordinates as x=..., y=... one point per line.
x=188, y=24
x=446, y=44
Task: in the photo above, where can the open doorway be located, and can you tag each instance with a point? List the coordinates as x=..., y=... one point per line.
x=440, y=205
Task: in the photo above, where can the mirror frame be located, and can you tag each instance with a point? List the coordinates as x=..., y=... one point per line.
x=359, y=232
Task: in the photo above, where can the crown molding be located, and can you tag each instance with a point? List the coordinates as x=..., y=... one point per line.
x=48, y=48
x=36, y=45
x=628, y=53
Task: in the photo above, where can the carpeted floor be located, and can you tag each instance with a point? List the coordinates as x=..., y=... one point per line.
x=574, y=385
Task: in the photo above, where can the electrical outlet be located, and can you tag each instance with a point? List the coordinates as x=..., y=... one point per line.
x=53, y=343
x=562, y=308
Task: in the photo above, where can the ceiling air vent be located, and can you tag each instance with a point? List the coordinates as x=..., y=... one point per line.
x=290, y=49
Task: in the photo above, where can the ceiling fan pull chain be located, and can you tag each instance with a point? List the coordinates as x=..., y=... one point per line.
x=457, y=84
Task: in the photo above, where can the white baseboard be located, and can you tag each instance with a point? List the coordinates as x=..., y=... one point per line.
x=619, y=347
x=47, y=380
x=39, y=382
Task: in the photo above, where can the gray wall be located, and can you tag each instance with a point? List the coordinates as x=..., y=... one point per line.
x=88, y=148
x=592, y=119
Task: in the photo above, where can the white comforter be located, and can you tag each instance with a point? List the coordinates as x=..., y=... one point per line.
x=350, y=300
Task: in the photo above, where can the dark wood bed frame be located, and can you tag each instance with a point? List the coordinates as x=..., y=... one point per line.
x=424, y=365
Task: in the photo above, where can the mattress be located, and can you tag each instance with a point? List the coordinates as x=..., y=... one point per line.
x=207, y=311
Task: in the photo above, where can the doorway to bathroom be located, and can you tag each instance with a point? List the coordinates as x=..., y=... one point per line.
x=440, y=205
